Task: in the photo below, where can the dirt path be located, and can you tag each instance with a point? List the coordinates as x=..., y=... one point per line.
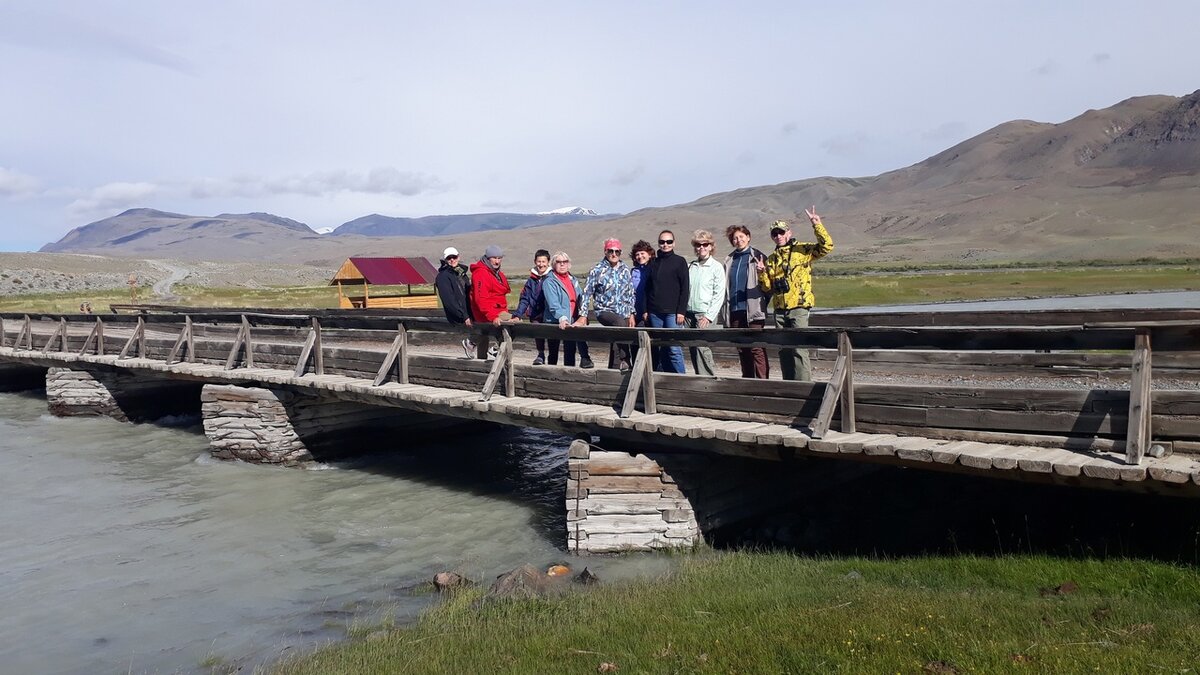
x=175, y=274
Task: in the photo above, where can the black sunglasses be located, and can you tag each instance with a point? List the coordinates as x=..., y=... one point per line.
x=666, y=241
x=612, y=250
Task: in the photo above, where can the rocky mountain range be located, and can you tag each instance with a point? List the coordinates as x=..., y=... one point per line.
x=1117, y=183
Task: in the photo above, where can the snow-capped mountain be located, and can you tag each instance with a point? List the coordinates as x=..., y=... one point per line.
x=569, y=211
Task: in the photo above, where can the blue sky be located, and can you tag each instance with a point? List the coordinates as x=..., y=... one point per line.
x=324, y=112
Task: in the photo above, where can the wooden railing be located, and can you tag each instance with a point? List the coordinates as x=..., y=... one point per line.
x=838, y=397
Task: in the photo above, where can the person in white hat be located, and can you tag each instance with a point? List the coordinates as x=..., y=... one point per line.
x=452, y=285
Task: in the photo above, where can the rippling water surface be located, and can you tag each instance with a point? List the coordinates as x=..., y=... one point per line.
x=125, y=548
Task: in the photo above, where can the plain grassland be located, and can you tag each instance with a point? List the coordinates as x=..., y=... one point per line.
x=841, y=289
x=745, y=612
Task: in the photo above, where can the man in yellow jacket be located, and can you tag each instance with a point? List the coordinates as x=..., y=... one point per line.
x=787, y=276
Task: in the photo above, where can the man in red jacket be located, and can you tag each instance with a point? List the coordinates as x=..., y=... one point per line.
x=489, y=293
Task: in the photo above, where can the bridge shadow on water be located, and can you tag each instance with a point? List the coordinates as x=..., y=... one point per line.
x=898, y=512
x=527, y=467
x=884, y=512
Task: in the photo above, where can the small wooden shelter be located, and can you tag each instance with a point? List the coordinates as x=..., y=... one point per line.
x=367, y=272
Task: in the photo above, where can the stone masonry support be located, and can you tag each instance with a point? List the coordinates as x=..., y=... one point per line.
x=284, y=426
x=120, y=395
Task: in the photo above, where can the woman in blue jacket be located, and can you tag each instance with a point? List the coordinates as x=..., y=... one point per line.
x=561, y=293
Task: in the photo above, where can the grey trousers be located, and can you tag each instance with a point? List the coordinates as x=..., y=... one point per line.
x=702, y=358
x=794, y=361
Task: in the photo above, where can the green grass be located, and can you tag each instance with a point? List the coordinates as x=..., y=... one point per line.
x=316, y=297
x=777, y=613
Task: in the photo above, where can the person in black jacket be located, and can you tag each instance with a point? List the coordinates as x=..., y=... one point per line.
x=667, y=297
x=451, y=284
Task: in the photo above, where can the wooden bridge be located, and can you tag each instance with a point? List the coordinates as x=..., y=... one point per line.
x=681, y=454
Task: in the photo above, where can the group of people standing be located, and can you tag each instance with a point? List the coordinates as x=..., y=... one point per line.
x=659, y=290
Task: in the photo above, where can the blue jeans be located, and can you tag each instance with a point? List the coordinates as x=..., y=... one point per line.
x=670, y=359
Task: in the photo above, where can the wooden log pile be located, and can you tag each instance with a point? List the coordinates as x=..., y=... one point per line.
x=617, y=501
x=624, y=500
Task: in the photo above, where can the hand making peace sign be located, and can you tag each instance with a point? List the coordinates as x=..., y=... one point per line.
x=812, y=215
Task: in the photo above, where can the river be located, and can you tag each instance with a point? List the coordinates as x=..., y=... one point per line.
x=127, y=549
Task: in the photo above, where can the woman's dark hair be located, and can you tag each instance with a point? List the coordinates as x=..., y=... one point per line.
x=734, y=229
x=641, y=245
x=541, y=252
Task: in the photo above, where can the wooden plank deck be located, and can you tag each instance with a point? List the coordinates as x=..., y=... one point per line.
x=1175, y=474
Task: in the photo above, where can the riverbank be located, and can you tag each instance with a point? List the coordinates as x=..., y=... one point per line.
x=776, y=612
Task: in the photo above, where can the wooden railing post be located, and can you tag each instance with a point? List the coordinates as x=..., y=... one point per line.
x=847, y=397
x=649, y=398
x=503, y=362
x=641, y=379
x=506, y=348
x=242, y=339
x=1137, y=435
x=184, y=340
x=59, y=332
x=838, y=382
x=398, y=356
x=318, y=354
x=93, y=337
x=311, y=351
x=3, y=337
x=26, y=334
x=138, y=338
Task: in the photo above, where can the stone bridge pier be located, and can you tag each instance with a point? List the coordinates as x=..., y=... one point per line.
x=278, y=425
x=122, y=395
x=639, y=497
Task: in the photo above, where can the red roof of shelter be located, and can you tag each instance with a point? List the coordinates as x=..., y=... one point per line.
x=391, y=271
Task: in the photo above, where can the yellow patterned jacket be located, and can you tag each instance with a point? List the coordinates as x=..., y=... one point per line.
x=794, y=259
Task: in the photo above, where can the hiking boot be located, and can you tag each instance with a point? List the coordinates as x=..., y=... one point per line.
x=539, y=361
x=623, y=366
x=468, y=348
x=586, y=363
x=493, y=351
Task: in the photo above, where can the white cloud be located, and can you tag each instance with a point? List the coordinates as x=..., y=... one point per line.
x=845, y=145
x=628, y=176
x=66, y=33
x=1049, y=67
x=113, y=196
x=16, y=184
x=378, y=181
x=946, y=131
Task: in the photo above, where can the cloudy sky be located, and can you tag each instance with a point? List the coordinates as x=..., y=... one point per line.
x=325, y=112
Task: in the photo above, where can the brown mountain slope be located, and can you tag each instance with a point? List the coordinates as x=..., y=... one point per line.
x=1120, y=183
